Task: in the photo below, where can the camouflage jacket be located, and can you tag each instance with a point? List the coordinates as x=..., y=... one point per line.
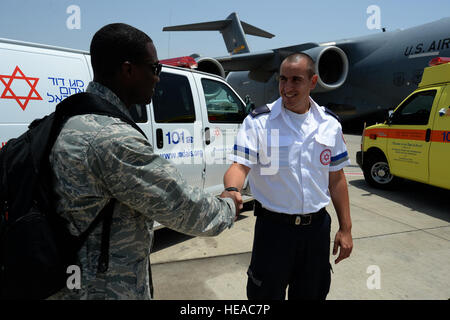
x=96, y=158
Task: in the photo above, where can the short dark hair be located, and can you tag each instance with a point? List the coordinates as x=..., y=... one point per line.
x=295, y=57
x=115, y=43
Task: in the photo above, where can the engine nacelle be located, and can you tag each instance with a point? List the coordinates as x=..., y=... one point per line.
x=209, y=65
x=331, y=67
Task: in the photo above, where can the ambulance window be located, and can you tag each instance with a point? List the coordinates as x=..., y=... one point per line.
x=222, y=103
x=139, y=113
x=416, y=110
x=172, y=100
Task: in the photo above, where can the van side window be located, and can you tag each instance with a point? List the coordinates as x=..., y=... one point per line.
x=172, y=100
x=222, y=103
x=139, y=113
x=416, y=110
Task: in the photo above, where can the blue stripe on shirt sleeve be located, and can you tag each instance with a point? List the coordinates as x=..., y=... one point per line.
x=339, y=156
x=245, y=150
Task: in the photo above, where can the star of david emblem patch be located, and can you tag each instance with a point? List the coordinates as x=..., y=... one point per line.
x=8, y=93
x=325, y=157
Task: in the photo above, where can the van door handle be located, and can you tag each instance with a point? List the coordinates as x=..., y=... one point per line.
x=207, y=136
x=159, y=138
x=428, y=135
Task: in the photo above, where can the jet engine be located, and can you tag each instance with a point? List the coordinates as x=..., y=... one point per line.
x=331, y=67
x=208, y=64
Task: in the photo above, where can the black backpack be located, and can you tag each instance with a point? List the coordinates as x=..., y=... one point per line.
x=35, y=245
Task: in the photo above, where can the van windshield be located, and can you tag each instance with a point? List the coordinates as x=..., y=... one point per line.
x=416, y=110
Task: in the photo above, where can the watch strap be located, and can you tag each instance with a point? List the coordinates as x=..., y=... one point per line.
x=232, y=189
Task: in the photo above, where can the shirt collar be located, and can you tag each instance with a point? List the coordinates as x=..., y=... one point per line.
x=327, y=129
x=276, y=107
x=318, y=111
x=108, y=95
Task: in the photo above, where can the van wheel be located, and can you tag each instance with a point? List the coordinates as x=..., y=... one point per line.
x=377, y=173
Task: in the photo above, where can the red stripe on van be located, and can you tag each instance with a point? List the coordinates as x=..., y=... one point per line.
x=408, y=134
x=440, y=136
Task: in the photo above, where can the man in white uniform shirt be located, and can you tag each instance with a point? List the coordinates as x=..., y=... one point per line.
x=294, y=153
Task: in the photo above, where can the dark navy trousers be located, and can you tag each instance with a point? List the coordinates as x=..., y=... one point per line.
x=290, y=256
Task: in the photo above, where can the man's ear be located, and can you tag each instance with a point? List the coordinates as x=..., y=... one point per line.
x=126, y=70
x=313, y=81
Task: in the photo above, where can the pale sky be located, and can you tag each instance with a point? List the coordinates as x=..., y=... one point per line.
x=292, y=21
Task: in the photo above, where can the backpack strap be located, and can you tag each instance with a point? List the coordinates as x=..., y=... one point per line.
x=3, y=196
x=105, y=215
x=103, y=260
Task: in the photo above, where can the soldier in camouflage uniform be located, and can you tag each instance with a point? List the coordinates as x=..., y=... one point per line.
x=97, y=158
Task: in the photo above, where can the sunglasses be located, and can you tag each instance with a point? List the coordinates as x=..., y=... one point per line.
x=156, y=68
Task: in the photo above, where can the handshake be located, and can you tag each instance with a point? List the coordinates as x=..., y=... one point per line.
x=234, y=194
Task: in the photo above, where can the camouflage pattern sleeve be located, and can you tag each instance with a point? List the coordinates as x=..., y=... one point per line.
x=136, y=176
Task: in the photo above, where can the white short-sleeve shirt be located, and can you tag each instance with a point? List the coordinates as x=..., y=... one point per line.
x=290, y=157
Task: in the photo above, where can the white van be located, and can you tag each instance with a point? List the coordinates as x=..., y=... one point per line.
x=192, y=121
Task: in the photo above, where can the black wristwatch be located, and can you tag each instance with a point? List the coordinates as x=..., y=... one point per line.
x=232, y=189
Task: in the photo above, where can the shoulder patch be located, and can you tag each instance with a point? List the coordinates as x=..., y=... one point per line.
x=331, y=113
x=260, y=110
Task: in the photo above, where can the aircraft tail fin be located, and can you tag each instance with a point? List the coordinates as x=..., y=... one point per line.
x=232, y=29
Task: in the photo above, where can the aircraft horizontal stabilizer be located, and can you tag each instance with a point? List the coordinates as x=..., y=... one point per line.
x=232, y=29
x=254, y=31
x=220, y=25
x=203, y=26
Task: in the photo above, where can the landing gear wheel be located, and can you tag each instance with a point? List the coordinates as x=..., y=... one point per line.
x=377, y=173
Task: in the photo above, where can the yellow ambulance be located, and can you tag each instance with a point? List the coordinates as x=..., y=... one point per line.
x=414, y=142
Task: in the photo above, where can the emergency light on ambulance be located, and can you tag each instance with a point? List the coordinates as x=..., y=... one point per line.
x=182, y=62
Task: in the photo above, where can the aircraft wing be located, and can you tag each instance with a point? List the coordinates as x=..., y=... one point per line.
x=246, y=61
x=268, y=60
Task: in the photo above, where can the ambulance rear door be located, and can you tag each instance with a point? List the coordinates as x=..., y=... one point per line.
x=33, y=80
x=410, y=133
x=440, y=143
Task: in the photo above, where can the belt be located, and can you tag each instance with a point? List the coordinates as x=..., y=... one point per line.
x=292, y=219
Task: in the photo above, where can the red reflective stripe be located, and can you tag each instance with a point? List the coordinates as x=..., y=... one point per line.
x=407, y=134
x=440, y=136
x=380, y=133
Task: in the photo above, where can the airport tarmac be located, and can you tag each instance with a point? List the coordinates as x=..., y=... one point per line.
x=401, y=249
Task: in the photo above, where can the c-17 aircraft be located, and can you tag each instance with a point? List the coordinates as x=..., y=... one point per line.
x=361, y=77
